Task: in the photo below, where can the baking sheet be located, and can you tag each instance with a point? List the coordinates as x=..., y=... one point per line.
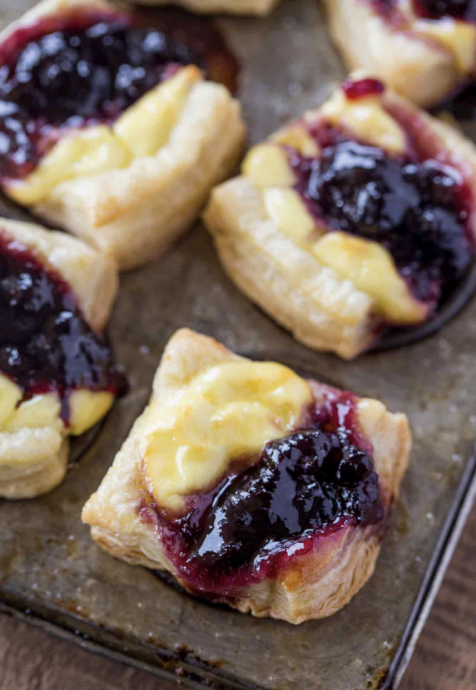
x=50, y=567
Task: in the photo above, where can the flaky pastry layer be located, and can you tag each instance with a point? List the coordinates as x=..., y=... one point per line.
x=259, y=7
x=417, y=65
x=313, y=586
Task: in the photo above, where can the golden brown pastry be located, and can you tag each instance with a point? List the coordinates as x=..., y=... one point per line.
x=357, y=217
x=423, y=49
x=57, y=377
x=260, y=7
x=110, y=131
x=251, y=485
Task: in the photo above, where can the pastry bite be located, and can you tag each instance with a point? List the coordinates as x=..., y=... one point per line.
x=259, y=7
x=251, y=485
x=357, y=217
x=57, y=374
x=423, y=49
x=108, y=125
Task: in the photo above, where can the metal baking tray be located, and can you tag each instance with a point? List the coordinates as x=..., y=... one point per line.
x=54, y=576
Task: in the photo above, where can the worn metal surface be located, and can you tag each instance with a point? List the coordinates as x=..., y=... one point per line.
x=49, y=565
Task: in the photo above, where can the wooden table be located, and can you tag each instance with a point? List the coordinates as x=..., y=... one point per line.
x=445, y=658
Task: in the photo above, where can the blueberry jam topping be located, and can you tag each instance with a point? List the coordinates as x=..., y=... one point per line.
x=417, y=210
x=303, y=487
x=305, y=481
x=435, y=9
x=85, y=68
x=431, y=9
x=45, y=343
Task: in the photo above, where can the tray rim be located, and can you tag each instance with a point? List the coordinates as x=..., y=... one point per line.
x=455, y=521
x=186, y=673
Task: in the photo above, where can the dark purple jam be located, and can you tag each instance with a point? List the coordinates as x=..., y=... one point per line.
x=461, y=103
x=436, y=9
x=45, y=343
x=88, y=67
x=429, y=9
x=305, y=486
x=338, y=411
x=417, y=209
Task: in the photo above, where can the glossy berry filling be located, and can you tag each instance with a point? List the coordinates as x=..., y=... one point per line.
x=361, y=88
x=88, y=67
x=429, y=9
x=417, y=209
x=436, y=9
x=304, y=487
x=45, y=343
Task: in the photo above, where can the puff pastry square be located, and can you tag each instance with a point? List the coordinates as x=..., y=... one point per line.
x=109, y=128
x=423, y=49
x=357, y=217
x=259, y=7
x=251, y=485
x=57, y=376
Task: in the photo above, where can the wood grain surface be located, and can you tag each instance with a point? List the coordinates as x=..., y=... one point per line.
x=445, y=658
